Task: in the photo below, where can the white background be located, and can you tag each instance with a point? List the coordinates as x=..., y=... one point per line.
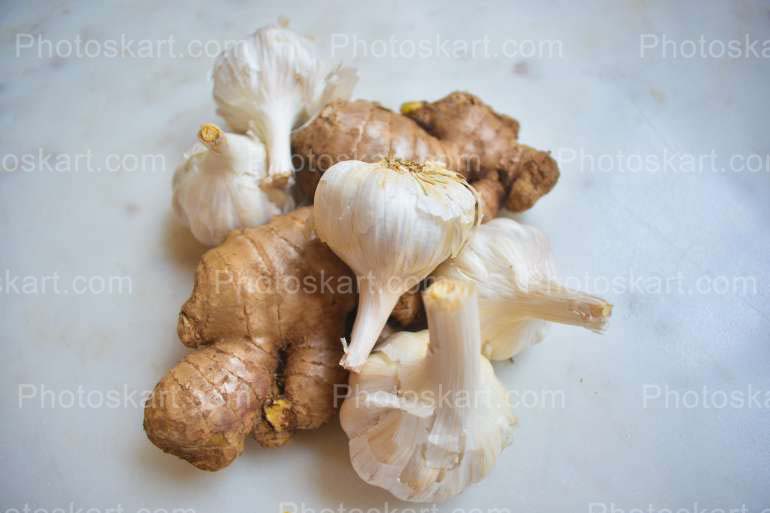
x=605, y=445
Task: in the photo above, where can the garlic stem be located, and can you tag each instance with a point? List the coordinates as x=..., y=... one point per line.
x=454, y=363
x=212, y=136
x=428, y=417
x=553, y=302
x=512, y=266
x=275, y=132
x=215, y=186
x=374, y=307
x=454, y=353
x=222, y=157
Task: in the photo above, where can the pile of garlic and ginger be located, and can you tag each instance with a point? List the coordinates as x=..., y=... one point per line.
x=396, y=202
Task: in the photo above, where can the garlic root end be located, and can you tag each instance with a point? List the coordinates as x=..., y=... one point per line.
x=556, y=303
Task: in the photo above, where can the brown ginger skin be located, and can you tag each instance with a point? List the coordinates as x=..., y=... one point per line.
x=490, y=192
x=359, y=130
x=267, y=355
x=479, y=136
x=459, y=130
x=409, y=311
x=206, y=406
x=483, y=140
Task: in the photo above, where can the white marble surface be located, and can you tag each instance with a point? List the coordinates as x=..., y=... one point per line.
x=602, y=445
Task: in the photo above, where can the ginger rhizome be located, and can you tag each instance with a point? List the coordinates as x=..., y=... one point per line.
x=267, y=331
x=459, y=130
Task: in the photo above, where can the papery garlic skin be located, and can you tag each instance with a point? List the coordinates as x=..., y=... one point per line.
x=512, y=266
x=216, y=187
x=393, y=222
x=272, y=82
x=426, y=416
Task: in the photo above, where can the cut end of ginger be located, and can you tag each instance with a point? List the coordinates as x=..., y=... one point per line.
x=278, y=414
x=408, y=107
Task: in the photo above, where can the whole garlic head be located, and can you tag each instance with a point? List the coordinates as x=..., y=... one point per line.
x=426, y=416
x=216, y=187
x=271, y=82
x=512, y=267
x=393, y=222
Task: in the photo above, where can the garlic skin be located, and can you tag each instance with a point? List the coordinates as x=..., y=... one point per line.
x=216, y=187
x=512, y=266
x=272, y=82
x=392, y=222
x=427, y=416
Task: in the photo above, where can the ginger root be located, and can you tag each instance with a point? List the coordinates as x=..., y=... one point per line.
x=266, y=315
x=459, y=130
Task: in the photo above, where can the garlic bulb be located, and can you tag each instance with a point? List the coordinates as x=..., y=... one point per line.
x=512, y=266
x=393, y=223
x=426, y=416
x=216, y=187
x=272, y=82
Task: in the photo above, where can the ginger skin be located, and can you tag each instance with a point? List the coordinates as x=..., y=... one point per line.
x=459, y=130
x=268, y=344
